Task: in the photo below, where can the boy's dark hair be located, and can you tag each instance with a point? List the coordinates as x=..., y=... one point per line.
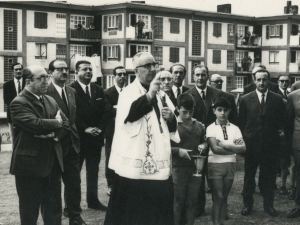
x=186, y=101
x=221, y=102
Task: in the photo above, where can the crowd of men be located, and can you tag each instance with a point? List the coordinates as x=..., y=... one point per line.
x=56, y=127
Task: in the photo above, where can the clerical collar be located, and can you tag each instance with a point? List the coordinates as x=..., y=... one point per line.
x=145, y=86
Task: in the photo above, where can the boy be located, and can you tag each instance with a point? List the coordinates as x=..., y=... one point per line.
x=225, y=140
x=186, y=186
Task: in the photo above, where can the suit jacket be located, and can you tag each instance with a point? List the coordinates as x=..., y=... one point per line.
x=282, y=95
x=73, y=137
x=184, y=89
x=33, y=156
x=295, y=86
x=260, y=127
x=111, y=96
x=252, y=87
x=90, y=113
x=203, y=110
x=9, y=93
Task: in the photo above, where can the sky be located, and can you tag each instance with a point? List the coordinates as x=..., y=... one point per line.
x=242, y=7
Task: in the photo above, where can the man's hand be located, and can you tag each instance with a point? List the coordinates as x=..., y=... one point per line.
x=201, y=148
x=281, y=133
x=58, y=117
x=51, y=135
x=154, y=87
x=167, y=114
x=94, y=131
x=184, y=153
x=222, y=145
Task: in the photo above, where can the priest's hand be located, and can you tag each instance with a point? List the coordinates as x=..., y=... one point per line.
x=167, y=114
x=154, y=87
x=184, y=153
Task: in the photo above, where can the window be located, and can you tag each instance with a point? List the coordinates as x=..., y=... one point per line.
x=217, y=30
x=240, y=30
x=112, y=21
x=239, y=82
x=109, y=81
x=40, y=20
x=158, y=55
x=274, y=31
x=174, y=55
x=79, y=19
x=41, y=51
x=113, y=52
x=142, y=48
x=61, y=23
x=196, y=38
x=273, y=56
x=230, y=34
x=230, y=61
x=145, y=19
x=83, y=50
x=297, y=79
x=216, y=56
x=158, y=23
x=174, y=26
x=295, y=56
x=61, y=51
x=295, y=29
x=10, y=29
x=239, y=56
x=133, y=49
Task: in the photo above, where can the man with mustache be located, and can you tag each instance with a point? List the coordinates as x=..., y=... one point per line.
x=178, y=71
x=90, y=123
x=260, y=120
x=12, y=88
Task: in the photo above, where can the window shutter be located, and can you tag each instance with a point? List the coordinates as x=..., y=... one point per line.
x=132, y=20
x=89, y=51
x=176, y=55
x=267, y=32
x=245, y=81
x=293, y=56
x=120, y=21
x=217, y=30
x=281, y=31
x=119, y=52
x=40, y=20
x=171, y=58
x=105, y=53
x=246, y=31
x=132, y=50
x=105, y=23
x=216, y=56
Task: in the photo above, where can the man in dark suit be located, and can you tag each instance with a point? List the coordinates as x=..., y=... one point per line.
x=204, y=97
x=11, y=88
x=111, y=96
x=37, y=156
x=65, y=98
x=91, y=125
x=260, y=120
x=178, y=71
x=252, y=87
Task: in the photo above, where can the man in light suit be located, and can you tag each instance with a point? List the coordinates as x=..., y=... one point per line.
x=12, y=88
x=111, y=96
x=91, y=121
x=65, y=98
x=178, y=71
x=37, y=155
x=260, y=120
x=204, y=97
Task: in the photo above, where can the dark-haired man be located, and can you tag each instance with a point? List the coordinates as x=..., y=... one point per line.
x=111, y=96
x=178, y=71
x=91, y=125
x=65, y=98
x=260, y=120
x=12, y=88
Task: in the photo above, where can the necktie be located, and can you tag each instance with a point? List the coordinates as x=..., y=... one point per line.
x=19, y=87
x=121, y=90
x=203, y=95
x=224, y=132
x=285, y=95
x=64, y=97
x=178, y=92
x=87, y=92
x=262, y=103
x=42, y=101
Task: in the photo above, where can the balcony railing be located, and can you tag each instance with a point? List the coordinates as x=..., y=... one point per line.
x=248, y=42
x=145, y=35
x=133, y=34
x=85, y=34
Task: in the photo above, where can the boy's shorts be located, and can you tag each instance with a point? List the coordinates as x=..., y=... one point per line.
x=184, y=176
x=221, y=170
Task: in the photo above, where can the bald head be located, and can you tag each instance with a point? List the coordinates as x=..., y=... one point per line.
x=144, y=64
x=36, y=79
x=142, y=58
x=216, y=81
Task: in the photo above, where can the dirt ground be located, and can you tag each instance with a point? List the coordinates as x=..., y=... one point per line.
x=9, y=214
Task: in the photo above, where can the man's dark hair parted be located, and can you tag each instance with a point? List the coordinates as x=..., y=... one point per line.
x=262, y=71
x=186, y=101
x=178, y=64
x=51, y=64
x=283, y=75
x=221, y=102
x=15, y=64
x=118, y=67
x=201, y=66
x=81, y=62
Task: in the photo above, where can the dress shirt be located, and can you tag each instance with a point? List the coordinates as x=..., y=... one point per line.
x=282, y=91
x=60, y=90
x=118, y=88
x=200, y=90
x=174, y=89
x=259, y=94
x=16, y=84
x=83, y=86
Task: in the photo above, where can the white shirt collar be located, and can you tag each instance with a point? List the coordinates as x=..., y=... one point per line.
x=83, y=86
x=58, y=88
x=227, y=124
x=118, y=88
x=200, y=90
x=174, y=89
x=16, y=80
x=38, y=97
x=259, y=94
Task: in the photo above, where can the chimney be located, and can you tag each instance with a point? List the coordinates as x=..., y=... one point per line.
x=225, y=8
x=290, y=9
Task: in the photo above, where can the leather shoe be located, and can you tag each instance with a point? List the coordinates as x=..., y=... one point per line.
x=294, y=213
x=271, y=211
x=98, y=206
x=246, y=211
x=77, y=221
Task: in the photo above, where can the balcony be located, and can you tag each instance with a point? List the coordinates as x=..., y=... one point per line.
x=85, y=35
x=251, y=42
x=145, y=36
x=294, y=67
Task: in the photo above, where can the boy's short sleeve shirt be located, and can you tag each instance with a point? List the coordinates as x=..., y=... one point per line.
x=215, y=130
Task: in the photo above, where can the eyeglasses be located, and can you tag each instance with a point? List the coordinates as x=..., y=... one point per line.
x=120, y=74
x=218, y=81
x=61, y=69
x=163, y=79
x=41, y=78
x=284, y=81
x=19, y=69
x=148, y=65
